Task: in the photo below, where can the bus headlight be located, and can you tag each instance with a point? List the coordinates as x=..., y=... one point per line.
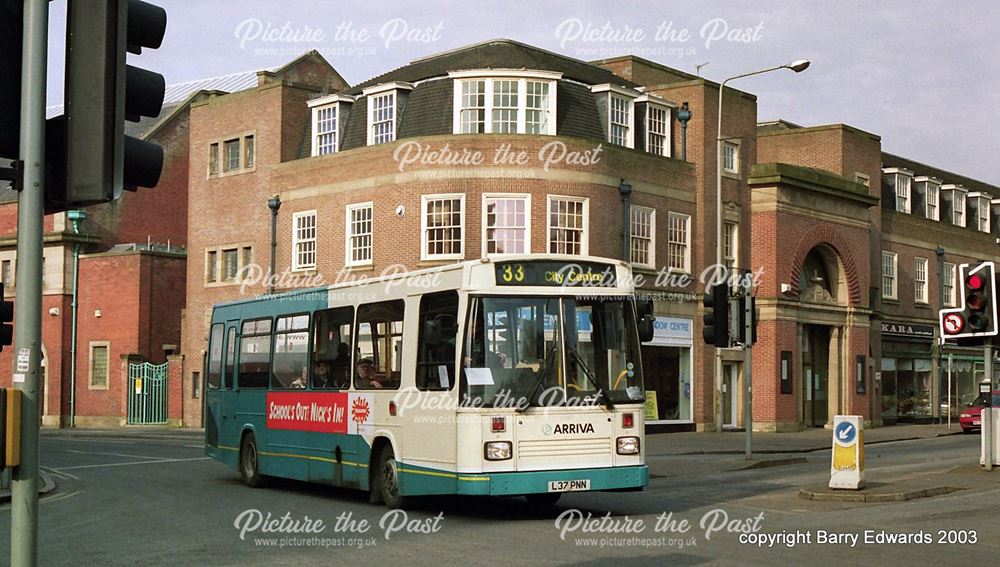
x=628, y=445
x=498, y=450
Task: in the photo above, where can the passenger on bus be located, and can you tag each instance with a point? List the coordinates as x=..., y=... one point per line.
x=366, y=374
x=322, y=377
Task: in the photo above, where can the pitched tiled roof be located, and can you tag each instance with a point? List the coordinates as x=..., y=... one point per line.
x=176, y=94
x=890, y=160
x=497, y=53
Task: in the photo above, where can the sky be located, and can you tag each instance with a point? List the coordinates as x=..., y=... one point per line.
x=923, y=75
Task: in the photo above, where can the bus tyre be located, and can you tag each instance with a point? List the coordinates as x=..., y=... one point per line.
x=250, y=463
x=387, y=480
x=542, y=502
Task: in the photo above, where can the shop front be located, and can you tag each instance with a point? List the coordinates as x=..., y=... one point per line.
x=906, y=375
x=666, y=362
x=961, y=371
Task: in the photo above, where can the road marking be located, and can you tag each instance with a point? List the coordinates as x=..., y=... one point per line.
x=130, y=463
x=58, y=474
x=194, y=446
x=112, y=454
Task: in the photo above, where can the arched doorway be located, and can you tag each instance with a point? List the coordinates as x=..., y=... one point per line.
x=823, y=294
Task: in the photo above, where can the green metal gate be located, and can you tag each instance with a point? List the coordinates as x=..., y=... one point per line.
x=147, y=397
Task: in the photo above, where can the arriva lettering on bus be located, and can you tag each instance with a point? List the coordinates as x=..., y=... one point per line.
x=572, y=428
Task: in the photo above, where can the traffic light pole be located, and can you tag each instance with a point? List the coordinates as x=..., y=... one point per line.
x=986, y=415
x=28, y=302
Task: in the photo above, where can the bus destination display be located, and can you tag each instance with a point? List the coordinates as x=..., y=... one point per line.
x=555, y=274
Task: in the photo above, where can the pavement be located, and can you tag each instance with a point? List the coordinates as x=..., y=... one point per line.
x=676, y=454
x=689, y=453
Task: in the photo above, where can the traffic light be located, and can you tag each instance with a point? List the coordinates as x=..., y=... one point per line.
x=102, y=92
x=743, y=320
x=11, y=19
x=6, y=321
x=716, y=318
x=977, y=314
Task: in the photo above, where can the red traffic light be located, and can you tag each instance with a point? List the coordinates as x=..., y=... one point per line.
x=975, y=282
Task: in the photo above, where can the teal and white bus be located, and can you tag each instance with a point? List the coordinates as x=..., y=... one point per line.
x=519, y=376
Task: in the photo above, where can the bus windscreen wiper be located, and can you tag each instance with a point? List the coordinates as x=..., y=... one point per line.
x=590, y=376
x=543, y=372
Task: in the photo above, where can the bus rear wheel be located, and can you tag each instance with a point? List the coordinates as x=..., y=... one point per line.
x=250, y=463
x=387, y=478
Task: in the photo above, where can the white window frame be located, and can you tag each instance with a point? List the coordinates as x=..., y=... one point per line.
x=686, y=268
x=630, y=97
x=920, y=287
x=349, y=235
x=651, y=252
x=424, y=200
x=862, y=179
x=489, y=77
x=959, y=212
x=667, y=134
x=107, y=362
x=296, y=241
x=336, y=102
x=890, y=293
x=372, y=94
x=733, y=241
x=904, y=191
x=948, y=283
x=487, y=198
x=584, y=231
x=932, y=188
x=735, y=144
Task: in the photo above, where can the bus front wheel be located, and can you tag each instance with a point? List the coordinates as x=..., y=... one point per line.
x=388, y=480
x=249, y=462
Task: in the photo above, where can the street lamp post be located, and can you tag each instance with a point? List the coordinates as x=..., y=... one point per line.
x=797, y=66
x=75, y=217
x=274, y=203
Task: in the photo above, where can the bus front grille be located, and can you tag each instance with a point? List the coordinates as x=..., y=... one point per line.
x=599, y=447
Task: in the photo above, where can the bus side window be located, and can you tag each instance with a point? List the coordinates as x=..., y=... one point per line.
x=331, y=354
x=255, y=354
x=379, y=335
x=289, y=366
x=436, y=345
x=214, y=374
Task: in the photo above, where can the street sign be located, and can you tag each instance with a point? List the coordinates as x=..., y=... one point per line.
x=848, y=460
x=952, y=323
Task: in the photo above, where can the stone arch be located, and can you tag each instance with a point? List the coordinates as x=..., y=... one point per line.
x=824, y=235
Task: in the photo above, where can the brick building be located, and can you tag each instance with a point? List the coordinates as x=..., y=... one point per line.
x=502, y=147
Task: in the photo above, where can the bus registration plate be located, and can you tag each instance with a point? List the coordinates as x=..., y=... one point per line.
x=569, y=485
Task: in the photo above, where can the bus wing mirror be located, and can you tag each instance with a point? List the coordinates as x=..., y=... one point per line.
x=644, y=311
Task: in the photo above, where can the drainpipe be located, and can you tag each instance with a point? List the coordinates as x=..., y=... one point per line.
x=625, y=190
x=940, y=344
x=684, y=116
x=75, y=217
x=274, y=203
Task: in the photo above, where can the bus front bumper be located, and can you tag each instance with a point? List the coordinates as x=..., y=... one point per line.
x=513, y=483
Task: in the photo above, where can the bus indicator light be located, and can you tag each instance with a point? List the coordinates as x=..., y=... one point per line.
x=628, y=420
x=498, y=425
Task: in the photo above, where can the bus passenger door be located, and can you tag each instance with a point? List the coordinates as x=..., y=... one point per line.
x=230, y=429
x=212, y=368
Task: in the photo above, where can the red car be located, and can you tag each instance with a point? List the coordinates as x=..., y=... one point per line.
x=971, y=417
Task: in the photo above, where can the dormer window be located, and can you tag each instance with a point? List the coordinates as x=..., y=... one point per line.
x=498, y=101
x=980, y=205
x=329, y=115
x=619, y=113
x=954, y=197
x=929, y=188
x=653, y=119
x=384, y=105
x=898, y=180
